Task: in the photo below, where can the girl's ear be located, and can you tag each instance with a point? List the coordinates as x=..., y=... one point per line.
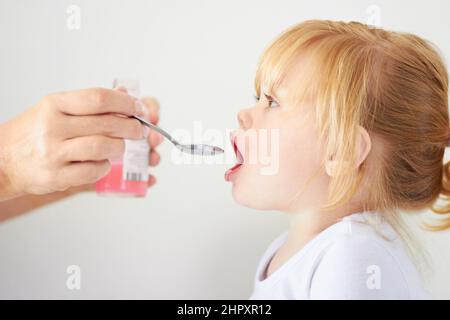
x=364, y=144
x=330, y=166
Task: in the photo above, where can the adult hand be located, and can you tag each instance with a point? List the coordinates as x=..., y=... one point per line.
x=64, y=142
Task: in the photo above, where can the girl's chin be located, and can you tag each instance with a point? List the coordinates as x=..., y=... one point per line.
x=248, y=200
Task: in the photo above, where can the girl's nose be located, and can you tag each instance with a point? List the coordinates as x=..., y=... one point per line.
x=244, y=119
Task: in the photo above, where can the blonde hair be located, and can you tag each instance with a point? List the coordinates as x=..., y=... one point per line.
x=393, y=84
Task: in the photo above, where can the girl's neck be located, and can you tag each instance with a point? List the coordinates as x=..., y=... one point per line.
x=305, y=225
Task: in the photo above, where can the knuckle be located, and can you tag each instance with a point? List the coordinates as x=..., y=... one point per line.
x=45, y=147
x=136, y=129
x=123, y=128
x=105, y=148
x=90, y=173
x=99, y=96
x=46, y=120
x=49, y=178
x=97, y=146
x=131, y=129
x=111, y=124
x=49, y=101
x=60, y=186
x=119, y=148
x=111, y=148
x=95, y=172
x=152, y=101
x=47, y=123
x=45, y=111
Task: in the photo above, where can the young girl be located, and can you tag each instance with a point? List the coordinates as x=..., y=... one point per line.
x=357, y=120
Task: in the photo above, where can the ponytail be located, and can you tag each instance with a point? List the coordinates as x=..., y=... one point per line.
x=442, y=212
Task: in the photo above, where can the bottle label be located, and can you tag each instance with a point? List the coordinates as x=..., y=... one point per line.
x=135, y=160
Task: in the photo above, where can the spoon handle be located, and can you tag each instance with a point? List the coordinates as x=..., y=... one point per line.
x=156, y=128
x=202, y=149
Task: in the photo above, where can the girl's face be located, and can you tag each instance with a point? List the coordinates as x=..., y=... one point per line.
x=279, y=150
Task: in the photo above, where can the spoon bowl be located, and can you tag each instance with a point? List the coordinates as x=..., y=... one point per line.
x=196, y=149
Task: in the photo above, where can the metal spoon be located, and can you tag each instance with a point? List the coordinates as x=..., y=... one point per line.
x=199, y=149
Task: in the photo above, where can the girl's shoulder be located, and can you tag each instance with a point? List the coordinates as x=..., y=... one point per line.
x=364, y=258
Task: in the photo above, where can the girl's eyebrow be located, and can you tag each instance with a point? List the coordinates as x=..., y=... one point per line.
x=281, y=93
x=271, y=95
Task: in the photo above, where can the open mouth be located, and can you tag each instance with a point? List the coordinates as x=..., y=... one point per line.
x=239, y=158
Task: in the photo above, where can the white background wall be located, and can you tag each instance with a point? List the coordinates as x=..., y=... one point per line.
x=187, y=239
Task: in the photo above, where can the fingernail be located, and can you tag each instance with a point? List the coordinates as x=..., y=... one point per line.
x=139, y=107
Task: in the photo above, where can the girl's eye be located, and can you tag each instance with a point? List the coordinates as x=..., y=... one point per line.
x=256, y=97
x=271, y=102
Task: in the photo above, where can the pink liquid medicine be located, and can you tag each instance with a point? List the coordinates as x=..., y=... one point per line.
x=128, y=175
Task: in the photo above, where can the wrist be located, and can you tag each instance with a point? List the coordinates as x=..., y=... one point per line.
x=8, y=189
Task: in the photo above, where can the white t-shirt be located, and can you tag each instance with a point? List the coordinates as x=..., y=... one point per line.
x=348, y=260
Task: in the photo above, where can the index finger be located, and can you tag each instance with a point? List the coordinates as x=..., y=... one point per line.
x=97, y=101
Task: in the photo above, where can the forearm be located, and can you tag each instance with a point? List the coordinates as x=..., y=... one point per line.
x=20, y=205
